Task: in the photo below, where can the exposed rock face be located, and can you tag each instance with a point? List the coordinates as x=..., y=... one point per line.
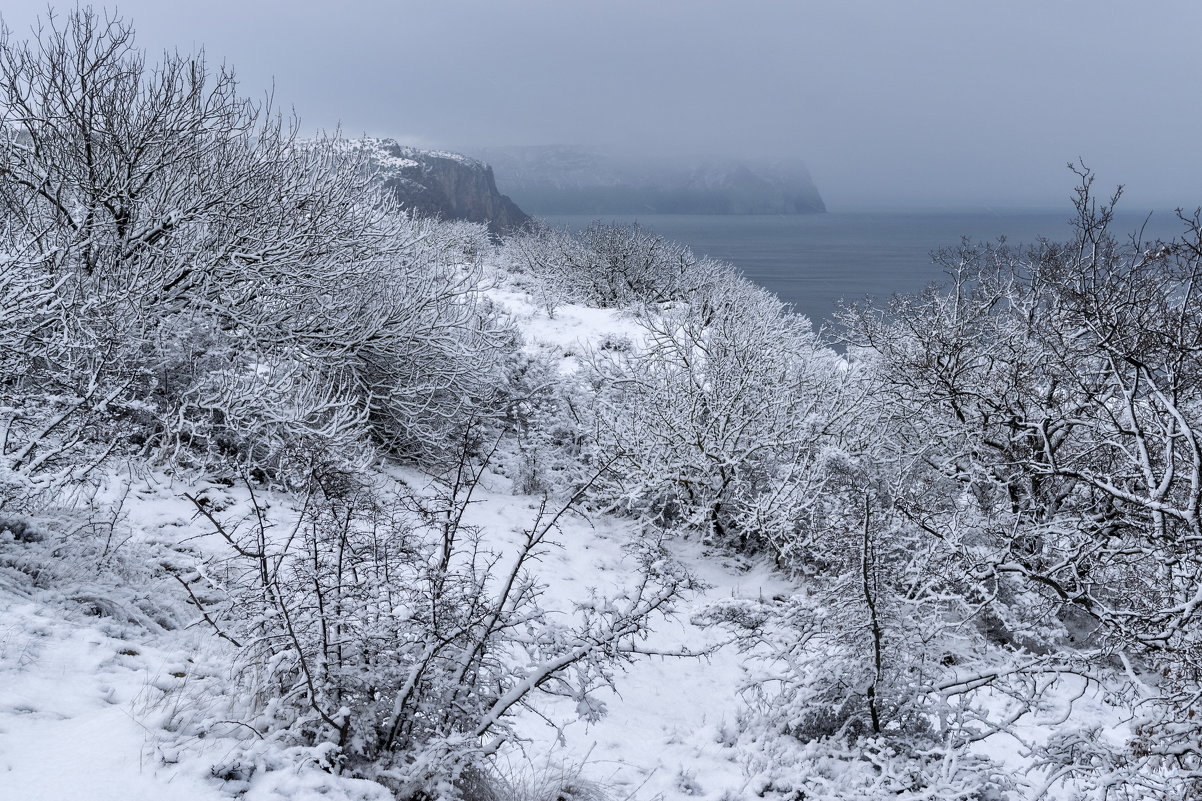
x=442, y=184
x=569, y=180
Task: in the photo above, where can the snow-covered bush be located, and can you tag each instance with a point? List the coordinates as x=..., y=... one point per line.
x=207, y=287
x=1050, y=401
x=432, y=360
x=381, y=624
x=875, y=680
x=716, y=422
x=547, y=437
x=611, y=265
x=1005, y=516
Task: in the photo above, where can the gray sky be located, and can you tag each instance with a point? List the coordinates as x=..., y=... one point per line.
x=890, y=102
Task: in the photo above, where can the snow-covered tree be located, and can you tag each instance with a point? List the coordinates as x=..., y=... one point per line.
x=611, y=265
x=717, y=415
x=1053, y=396
x=217, y=284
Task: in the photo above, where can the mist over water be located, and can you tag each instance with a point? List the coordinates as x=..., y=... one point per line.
x=816, y=261
x=941, y=102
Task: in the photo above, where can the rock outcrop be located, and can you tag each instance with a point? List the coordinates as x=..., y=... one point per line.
x=443, y=184
x=570, y=180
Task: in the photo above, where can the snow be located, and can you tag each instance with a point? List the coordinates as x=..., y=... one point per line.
x=573, y=329
x=71, y=712
x=671, y=716
x=85, y=699
x=391, y=153
x=666, y=731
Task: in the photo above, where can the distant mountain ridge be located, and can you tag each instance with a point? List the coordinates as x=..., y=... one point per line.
x=564, y=179
x=443, y=184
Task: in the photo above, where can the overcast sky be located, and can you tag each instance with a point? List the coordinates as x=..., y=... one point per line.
x=890, y=102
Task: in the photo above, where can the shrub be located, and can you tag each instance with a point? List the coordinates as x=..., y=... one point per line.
x=611, y=265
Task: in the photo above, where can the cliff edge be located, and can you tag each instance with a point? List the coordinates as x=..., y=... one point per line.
x=443, y=184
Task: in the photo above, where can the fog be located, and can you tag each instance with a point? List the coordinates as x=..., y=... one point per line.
x=890, y=103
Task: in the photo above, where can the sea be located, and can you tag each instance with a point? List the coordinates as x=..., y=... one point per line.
x=818, y=261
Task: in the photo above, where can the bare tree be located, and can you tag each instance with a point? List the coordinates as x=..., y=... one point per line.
x=718, y=417
x=385, y=628
x=1053, y=394
x=207, y=269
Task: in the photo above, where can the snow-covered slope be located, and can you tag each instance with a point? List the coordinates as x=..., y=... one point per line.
x=100, y=650
x=112, y=686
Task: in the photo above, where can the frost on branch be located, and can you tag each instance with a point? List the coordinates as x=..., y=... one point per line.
x=383, y=626
x=184, y=278
x=716, y=422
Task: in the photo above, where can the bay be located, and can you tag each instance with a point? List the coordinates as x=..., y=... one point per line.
x=816, y=261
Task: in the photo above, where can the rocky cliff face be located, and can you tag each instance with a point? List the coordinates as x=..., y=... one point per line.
x=569, y=180
x=442, y=184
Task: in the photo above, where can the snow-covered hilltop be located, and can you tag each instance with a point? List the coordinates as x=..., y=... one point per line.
x=573, y=180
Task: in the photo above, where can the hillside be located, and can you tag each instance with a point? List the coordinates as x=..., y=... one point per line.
x=304, y=497
x=113, y=686
x=135, y=624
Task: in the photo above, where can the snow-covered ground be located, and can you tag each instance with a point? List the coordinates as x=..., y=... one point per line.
x=88, y=685
x=91, y=683
x=101, y=655
x=667, y=731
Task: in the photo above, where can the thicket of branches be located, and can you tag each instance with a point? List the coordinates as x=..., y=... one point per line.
x=187, y=284
x=1050, y=399
x=991, y=496
x=993, y=493
x=186, y=278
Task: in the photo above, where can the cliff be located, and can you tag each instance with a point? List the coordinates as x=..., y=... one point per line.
x=442, y=184
x=569, y=180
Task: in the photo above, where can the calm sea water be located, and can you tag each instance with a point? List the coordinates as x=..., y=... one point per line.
x=816, y=261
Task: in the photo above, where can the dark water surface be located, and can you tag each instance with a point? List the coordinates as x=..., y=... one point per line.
x=814, y=261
